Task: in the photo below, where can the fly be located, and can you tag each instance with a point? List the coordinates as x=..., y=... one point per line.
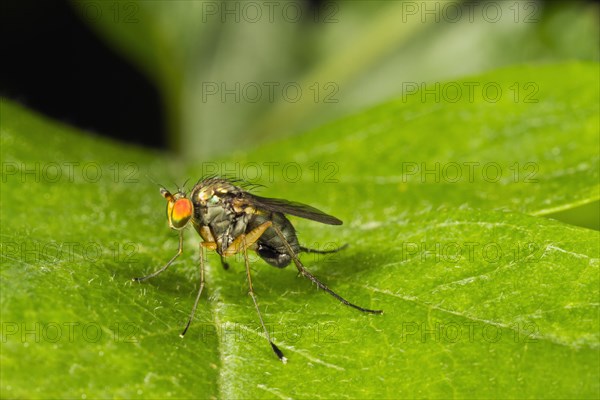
x=231, y=220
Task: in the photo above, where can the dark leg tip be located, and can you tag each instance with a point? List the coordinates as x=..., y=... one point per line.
x=372, y=311
x=224, y=263
x=279, y=353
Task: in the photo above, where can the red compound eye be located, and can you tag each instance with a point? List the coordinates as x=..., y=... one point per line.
x=180, y=212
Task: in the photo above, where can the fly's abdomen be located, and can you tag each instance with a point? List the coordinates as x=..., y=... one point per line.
x=269, y=246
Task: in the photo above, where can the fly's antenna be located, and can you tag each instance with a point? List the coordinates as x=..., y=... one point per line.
x=154, y=181
x=181, y=189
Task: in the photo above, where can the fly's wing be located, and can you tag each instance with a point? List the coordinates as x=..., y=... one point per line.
x=291, y=208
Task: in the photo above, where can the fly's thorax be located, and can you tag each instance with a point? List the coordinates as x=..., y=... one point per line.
x=212, y=200
x=214, y=214
x=213, y=192
x=214, y=208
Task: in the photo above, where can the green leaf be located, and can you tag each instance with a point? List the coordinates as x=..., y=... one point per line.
x=482, y=295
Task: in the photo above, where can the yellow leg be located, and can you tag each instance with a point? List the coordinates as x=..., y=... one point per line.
x=182, y=334
x=179, y=251
x=245, y=241
x=278, y=352
x=209, y=245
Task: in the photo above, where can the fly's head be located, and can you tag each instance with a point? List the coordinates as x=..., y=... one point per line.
x=180, y=209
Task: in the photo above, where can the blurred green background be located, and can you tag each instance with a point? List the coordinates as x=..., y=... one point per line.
x=215, y=77
x=234, y=74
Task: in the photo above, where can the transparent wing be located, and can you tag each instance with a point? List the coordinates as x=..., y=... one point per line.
x=290, y=207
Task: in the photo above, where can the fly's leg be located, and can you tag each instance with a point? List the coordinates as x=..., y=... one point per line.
x=202, y=246
x=179, y=251
x=224, y=263
x=245, y=246
x=304, y=272
x=244, y=241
